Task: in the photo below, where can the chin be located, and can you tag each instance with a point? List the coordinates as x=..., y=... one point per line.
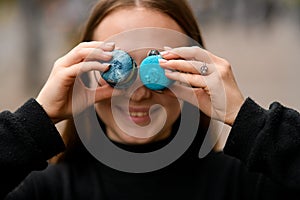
x=137, y=141
x=131, y=140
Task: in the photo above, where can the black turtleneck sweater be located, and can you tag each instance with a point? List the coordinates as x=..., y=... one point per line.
x=261, y=160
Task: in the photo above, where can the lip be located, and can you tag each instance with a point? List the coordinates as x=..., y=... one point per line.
x=139, y=115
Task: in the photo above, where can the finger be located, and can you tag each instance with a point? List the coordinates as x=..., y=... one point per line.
x=105, y=92
x=102, y=81
x=195, y=96
x=87, y=51
x=195, y=67
x=167, y=48
x=188, y=53
x=96, y=55
x=202, y=68
x=94, y=95
x=193, y=80
x=86, y=54
x=107, y=46
x=83, y=67
x=98, y=78
x=103, y=46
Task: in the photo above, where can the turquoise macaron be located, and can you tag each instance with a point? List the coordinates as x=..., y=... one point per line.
x=152, y=75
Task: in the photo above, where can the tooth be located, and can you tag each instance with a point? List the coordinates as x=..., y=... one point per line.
x=140, y=114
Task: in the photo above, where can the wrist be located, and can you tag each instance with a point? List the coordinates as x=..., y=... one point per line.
x=231, y=117
x=54, y=119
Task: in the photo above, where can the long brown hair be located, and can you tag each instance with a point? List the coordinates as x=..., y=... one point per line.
x=179, y=10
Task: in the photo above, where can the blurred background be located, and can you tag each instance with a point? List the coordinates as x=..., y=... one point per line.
x=260, y=38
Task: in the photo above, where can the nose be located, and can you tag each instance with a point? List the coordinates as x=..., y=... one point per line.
x=140, y=94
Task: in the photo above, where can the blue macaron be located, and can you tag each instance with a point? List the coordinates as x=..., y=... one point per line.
x=122, y=70
x=152, y=75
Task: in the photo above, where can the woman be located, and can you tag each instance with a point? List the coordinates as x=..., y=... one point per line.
x=78, y=175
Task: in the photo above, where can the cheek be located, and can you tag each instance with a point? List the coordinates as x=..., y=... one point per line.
x=103, y=110
x=173, y=108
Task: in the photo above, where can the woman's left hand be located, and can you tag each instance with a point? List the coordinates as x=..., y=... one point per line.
x=212, y=89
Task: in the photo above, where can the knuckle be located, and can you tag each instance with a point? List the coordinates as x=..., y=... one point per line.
x=198, y=91
x=174, y=63
x=194, y=50
x=82, y=44
x=195, y=47
x=58, y=62
x=79, y=47
x=227, y=68
x=194, y=79
x=194, y=64
x=81, y=53
x=226, y=64
x=226, y=71
x=101, y=44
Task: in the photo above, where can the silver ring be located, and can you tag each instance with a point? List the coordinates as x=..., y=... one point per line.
x=203, y=69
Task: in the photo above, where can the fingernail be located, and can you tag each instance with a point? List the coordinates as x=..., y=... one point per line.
x=167, y=71
x=107, y=53
x=162, y=61
x=163, y=53
x=110, y=44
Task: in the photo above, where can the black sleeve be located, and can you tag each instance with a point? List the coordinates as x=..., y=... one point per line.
x=268, y=141
x=28, y=138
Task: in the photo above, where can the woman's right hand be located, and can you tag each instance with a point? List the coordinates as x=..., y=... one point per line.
x=56, y=95
x=215, y=93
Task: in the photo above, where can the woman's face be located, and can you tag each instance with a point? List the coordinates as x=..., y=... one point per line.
x=134, y=109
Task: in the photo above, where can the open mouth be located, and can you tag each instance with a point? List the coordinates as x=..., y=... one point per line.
x=139, y=115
